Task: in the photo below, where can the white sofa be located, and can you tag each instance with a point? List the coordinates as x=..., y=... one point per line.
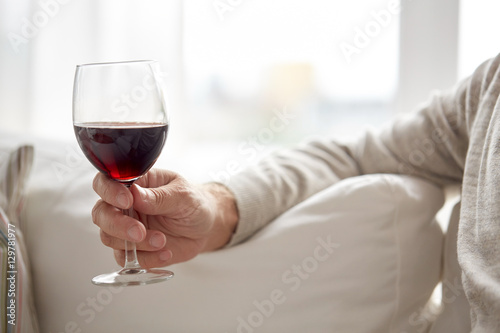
x=362, y=256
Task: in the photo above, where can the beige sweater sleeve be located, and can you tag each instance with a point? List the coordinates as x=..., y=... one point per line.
x=430, y=143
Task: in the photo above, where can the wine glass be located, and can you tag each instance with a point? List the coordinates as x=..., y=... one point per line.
x=121, y=124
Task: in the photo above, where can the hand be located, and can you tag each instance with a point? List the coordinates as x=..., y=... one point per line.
x=175, y=219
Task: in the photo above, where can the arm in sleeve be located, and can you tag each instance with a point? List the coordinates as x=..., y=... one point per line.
x=430, y=143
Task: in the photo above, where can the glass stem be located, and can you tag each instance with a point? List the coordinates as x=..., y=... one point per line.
x=131, y=261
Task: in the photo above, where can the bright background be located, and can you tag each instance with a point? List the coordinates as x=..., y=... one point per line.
x=231, y=68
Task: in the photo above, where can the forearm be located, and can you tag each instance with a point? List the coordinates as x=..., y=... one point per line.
x=284, y=179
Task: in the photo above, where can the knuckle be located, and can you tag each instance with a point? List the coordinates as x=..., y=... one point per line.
x=102, y=189
x=96, y=182
x=105, y=217
x=169, y=176
x=191, y=202
x=186, y=192
x=106, y=239
x=148, y=259
x=160, y=195
x=105, y=193
x=97, y=211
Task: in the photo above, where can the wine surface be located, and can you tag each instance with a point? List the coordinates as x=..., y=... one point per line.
x=122, y=151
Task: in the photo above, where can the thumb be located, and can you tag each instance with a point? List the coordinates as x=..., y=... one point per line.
x=164, y=200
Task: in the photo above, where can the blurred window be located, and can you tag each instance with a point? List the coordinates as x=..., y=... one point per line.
x=329, y=66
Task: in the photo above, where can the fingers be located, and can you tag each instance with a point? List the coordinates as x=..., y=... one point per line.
x=176, y=250
x=154, y=241
x=162, y=191
x=112, y=192
x=112, y=222
x=171, y=199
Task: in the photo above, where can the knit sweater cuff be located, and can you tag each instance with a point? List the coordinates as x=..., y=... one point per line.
x=252, y=202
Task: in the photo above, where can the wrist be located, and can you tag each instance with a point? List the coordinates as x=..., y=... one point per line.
x=226, y=216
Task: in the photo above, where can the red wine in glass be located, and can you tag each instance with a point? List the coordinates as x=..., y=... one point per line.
x=122, y=151
x=122, y=145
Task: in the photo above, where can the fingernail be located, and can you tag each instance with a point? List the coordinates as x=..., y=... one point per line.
x=156, y=241
x=135, y=234
x=122, y=200
x=165, y=255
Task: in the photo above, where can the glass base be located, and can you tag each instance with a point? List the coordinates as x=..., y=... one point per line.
x=133, y=277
